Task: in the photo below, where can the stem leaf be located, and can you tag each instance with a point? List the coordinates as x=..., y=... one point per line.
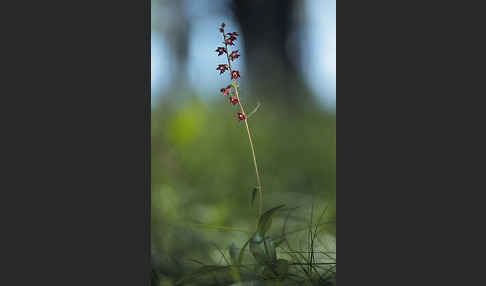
x=266, y=220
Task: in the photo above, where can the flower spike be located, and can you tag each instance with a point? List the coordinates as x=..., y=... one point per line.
x=234, y=99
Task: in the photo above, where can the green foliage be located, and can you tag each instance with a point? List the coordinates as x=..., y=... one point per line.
x=278, y=270
x=201, y=174
x=257, y=249
x=242, y=251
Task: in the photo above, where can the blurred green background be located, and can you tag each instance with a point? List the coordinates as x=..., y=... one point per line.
x=202, y=172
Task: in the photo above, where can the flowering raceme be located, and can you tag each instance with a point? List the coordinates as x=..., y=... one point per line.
x=228, y=40
x=232, y=90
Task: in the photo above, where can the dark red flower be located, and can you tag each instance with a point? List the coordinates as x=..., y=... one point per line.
x=234, y=55
x=226, y=90
x=229, y=42
x=233, y=36
x=233, y=100
x=222, y=68
x=240, y=116
x=221, y=28
x=220, y=50
x=235, y=74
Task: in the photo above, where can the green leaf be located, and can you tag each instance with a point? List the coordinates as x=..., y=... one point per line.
x=218, y=227
x=266, y=220
x=257, y=249
x=263, y=250
x=270, y=249
x=254, y=110
x=235, y=272
x=253, y=195
x=196, y=261
x=242, y=250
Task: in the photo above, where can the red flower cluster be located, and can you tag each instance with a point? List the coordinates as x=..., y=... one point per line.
x=226, y=90
x=233, y=100
x=220, y=50
x=229, y=40
x=235, y=74
x=222, y=68
x=234, y=55
x=233, y=36
x=241, y=116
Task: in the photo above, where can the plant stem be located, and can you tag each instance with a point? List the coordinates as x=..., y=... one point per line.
x=253, y=154
x=259, y=184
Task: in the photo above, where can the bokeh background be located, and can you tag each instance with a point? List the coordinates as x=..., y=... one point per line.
x=202, y=173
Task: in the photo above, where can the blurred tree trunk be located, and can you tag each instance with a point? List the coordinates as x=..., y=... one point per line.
x=267, y=27
x=173, y=24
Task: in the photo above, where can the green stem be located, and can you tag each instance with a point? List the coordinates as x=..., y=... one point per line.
x=259, y=184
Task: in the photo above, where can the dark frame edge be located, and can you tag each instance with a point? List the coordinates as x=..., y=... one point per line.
x=148, y=137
